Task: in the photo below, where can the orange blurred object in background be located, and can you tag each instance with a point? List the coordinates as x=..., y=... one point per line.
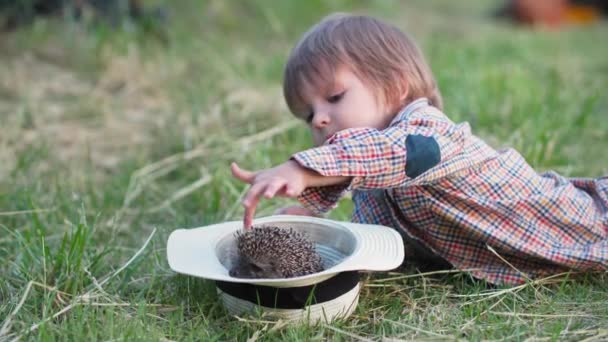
x=555, y=13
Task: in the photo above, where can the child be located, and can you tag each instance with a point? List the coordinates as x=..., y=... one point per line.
x=374, y=110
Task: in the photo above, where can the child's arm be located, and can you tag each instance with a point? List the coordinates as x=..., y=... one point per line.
x=385, y=158
x=382, y=159
x=289, y=179
x=360, y=158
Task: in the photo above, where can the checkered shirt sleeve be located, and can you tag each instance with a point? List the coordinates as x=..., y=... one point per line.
x=376, y=159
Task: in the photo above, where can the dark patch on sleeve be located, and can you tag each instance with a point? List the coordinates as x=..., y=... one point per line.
x=422, y=154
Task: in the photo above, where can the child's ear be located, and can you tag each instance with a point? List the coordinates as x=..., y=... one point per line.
x=402, y=97
x=404, y=93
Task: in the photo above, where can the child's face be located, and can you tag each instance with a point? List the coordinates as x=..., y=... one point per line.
x=349, y=104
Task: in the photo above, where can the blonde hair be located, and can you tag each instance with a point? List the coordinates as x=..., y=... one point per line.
x=376, y=52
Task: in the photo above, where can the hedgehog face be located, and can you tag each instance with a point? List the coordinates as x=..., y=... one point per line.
x=245, y=267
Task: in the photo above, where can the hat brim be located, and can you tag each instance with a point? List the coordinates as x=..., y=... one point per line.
x=194, y=251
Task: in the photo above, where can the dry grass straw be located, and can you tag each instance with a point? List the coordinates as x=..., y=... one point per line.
x=25, y=212
x=146, y=176
x=89, y=298
x=76, y=117
x=350, y=335
x=539, y=286
x=275, y=325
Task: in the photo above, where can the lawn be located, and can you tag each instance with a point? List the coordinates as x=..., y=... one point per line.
x=111, y=139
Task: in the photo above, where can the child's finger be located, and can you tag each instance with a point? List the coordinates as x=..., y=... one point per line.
x=247, y=219
x=250, y=212
x=250, y=202
x=244, y=175
x=253, y=194
x=274, y=187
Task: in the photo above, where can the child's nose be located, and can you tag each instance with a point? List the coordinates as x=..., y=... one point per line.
x=320, y=119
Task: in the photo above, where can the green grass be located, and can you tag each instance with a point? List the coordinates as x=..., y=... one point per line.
x=108, y=139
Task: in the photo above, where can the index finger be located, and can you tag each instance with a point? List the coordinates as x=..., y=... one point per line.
x=248, y=217
x=250, y=212
x=250, y=202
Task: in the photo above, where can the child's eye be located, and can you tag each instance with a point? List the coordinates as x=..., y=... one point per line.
x=335, y=98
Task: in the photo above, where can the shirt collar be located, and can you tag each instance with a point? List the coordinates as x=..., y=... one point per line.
x=409, y=109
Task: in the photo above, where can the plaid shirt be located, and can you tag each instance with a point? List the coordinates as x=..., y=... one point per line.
x=453, y=196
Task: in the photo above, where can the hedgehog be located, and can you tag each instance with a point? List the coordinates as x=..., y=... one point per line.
x=272, y=252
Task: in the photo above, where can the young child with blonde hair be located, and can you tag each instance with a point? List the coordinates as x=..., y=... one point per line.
x=375, y=113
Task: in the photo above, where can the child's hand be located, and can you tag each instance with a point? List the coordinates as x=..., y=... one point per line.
x=288, y=180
